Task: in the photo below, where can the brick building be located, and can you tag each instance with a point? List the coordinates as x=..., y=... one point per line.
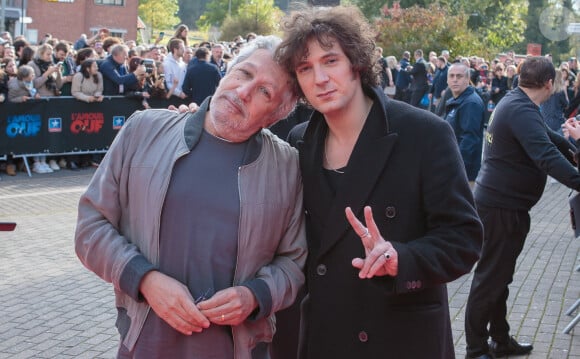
x=68, y=19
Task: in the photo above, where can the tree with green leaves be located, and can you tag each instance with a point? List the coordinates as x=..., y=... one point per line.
x=159, y=14
x=432, y=28
x=190, y=11
x=259, y=16
x=217, y=11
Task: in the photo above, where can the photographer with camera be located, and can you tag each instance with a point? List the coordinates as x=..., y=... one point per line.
x=116, y=77
x=141, y=92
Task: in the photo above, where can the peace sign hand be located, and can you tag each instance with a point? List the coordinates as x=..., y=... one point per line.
x=381, y=257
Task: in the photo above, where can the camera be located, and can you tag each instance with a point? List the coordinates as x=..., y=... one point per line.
x=148, y=63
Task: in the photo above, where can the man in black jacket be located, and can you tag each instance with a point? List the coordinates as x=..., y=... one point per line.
x=519, y=152
x=201, y=79
x=419, y=82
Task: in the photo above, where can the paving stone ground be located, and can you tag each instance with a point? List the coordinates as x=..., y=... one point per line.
x=52, y=307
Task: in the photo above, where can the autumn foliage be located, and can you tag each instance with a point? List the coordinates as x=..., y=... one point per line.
x=431, y=28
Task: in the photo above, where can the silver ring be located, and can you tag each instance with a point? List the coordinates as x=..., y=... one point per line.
x=387, y=255
x=366, y=233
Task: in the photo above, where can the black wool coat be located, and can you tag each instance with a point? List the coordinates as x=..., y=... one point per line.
x=407, y=167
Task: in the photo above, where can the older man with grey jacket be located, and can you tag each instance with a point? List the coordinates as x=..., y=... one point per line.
x=197, y=220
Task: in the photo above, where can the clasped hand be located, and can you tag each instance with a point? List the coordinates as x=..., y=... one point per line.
x=172, y=302
x=381, y=258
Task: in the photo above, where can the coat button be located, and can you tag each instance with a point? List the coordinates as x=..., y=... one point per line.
x=321, y=269
x=363, y=336
x=390, y=212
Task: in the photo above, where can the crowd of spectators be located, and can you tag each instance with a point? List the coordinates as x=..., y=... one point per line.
x=92, y=68
x=491, y=79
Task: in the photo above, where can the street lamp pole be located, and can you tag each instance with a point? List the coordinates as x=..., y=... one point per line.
x=3, y=15
x=22, y=17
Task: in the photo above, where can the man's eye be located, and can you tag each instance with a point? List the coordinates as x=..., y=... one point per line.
x=302, y=69
x=265, y=92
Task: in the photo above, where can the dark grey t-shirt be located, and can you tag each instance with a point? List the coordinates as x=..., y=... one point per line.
x=198, y=244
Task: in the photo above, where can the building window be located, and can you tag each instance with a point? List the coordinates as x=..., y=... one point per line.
x=110, y=2
x=121, y=33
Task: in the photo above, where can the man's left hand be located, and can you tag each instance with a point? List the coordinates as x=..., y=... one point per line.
x=381, y=258
x=230, y=306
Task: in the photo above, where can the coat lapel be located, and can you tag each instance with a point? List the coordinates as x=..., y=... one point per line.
x=366, y=165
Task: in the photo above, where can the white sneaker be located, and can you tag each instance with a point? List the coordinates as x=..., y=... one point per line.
x=46, y=167
x=53, y=165
x=62, y=163
x=37, y=167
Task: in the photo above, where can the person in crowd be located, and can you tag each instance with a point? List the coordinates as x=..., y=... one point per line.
x=217, y=58
x=250, y=36
x=81, y=42
x=48, y=82
x=395, y=70
x=87, y=84
x=4, y=78
x=553, y=108
x=18, y=45
x=9, y=66
x=98, y=47
x=188, y=54
x=201, y=266
x=9, y=51
x=155, y=82
x=386, y=74
x=511, y=75
x=181, y=33
x=62, y=54
x=21, y=89
x=82, y=55
x=403, y=79
x=116, y=77
x=499, y=83
x=573, y=66
x=439, y=81
x=419, y=83
x=202, y=79
x=3, y=43
x=26, y=56
x=111, y=41
x=175, y=69
x=465, y=113
x=47, y=75
x=390, y=219
x=5, y=35
x=520, y=151
x=154, y=54
x=141, y=91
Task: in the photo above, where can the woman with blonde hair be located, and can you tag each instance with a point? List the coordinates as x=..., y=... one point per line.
x=553, y=109
x=48, y=78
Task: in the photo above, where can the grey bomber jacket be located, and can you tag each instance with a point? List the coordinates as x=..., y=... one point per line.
x=117, y=234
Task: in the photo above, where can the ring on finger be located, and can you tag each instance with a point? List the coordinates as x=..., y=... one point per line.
x=387, y=255
x=366, y=233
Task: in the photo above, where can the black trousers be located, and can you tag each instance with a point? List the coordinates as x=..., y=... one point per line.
x=505, y=233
